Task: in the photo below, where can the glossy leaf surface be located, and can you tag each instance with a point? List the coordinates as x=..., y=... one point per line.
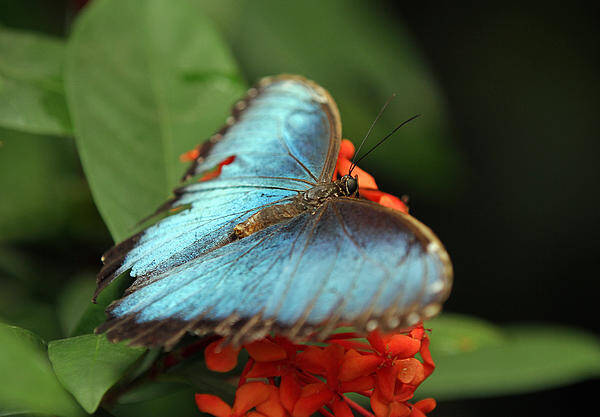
x=529, y=358
x=31, y=86
x=29, y=384
x=89, y=365
x=145, y=82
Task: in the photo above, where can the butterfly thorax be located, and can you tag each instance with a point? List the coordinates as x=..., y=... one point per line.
x=305, y=201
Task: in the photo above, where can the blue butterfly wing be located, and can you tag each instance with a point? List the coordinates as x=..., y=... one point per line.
x=284, y=136
x=352, y=261
x=287, y=127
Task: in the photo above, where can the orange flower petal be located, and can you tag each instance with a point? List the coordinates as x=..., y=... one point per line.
x=289, y=391
x=314, y=396
x=265, y=351
x=379, y=406
x=426, y=405
x=342, y=166
x=249, y=396
x=402, y=346
x=312, y=360
x=189, y=156
x=341, y=409
x=265, y=369
x=272, y=407
x=417, y=332
x=410, y=371
x=211, y=404
x=210, y=175
x=365, y=180
x=343, y=161
x=217, y=171
x=386, y=381
x=416, y=413
x=220, y=358
x=384, y=199
x=393, y=202
x=404, y=392
x=254, y=414
x=290, y=348
x=334, y=356
x=399, y=410
x=356, y=365
x=311, y=389
x=346, y=149
x=376, y=341
x=363, y=383
x=428, y=363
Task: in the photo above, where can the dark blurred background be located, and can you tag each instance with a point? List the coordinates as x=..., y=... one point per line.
x=522, y=89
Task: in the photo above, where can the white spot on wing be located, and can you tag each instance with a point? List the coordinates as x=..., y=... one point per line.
x=432, y=310
x=371, y=325
x=413, y=318
x=433, y=247
x=437, y=286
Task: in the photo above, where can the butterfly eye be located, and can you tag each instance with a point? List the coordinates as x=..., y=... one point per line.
x=351, y=185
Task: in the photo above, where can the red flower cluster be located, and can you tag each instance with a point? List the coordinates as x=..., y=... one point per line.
x=284, y=379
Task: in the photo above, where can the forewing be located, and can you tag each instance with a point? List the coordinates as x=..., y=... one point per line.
x=350, y=262
x=281, y=139
x=286, y=126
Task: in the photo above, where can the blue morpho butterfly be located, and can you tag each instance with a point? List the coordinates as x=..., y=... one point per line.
x=272, y=243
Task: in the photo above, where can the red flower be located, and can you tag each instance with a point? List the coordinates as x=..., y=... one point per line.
x=258, y=395
x=298, y=380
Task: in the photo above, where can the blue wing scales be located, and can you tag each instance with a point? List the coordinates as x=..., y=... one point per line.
x=284, y=136
x=351, y=262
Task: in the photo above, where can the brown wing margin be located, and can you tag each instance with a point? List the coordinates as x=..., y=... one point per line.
x=115, y=256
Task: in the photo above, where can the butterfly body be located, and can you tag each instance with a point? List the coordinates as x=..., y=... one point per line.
x=272, y=243
x=309, y=200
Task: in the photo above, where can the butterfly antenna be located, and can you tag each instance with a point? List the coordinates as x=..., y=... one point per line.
x=352, y=165
x=386, y=137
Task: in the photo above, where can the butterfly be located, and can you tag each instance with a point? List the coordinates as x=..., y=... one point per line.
x=267, y=242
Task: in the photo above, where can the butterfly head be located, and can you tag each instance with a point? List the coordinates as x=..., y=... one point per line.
x=349, y=185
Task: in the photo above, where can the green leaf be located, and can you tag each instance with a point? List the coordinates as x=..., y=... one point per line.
x=529, y=359
x=74, y=301
x=180, y=403
x=362, y=56
x=41, y=186
x=453, y=334
x=145, y=82
x=195, y=373
x=150, y=390
x=94, y=313
x=31, y=89
x=89, y=365
x=28, y=382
